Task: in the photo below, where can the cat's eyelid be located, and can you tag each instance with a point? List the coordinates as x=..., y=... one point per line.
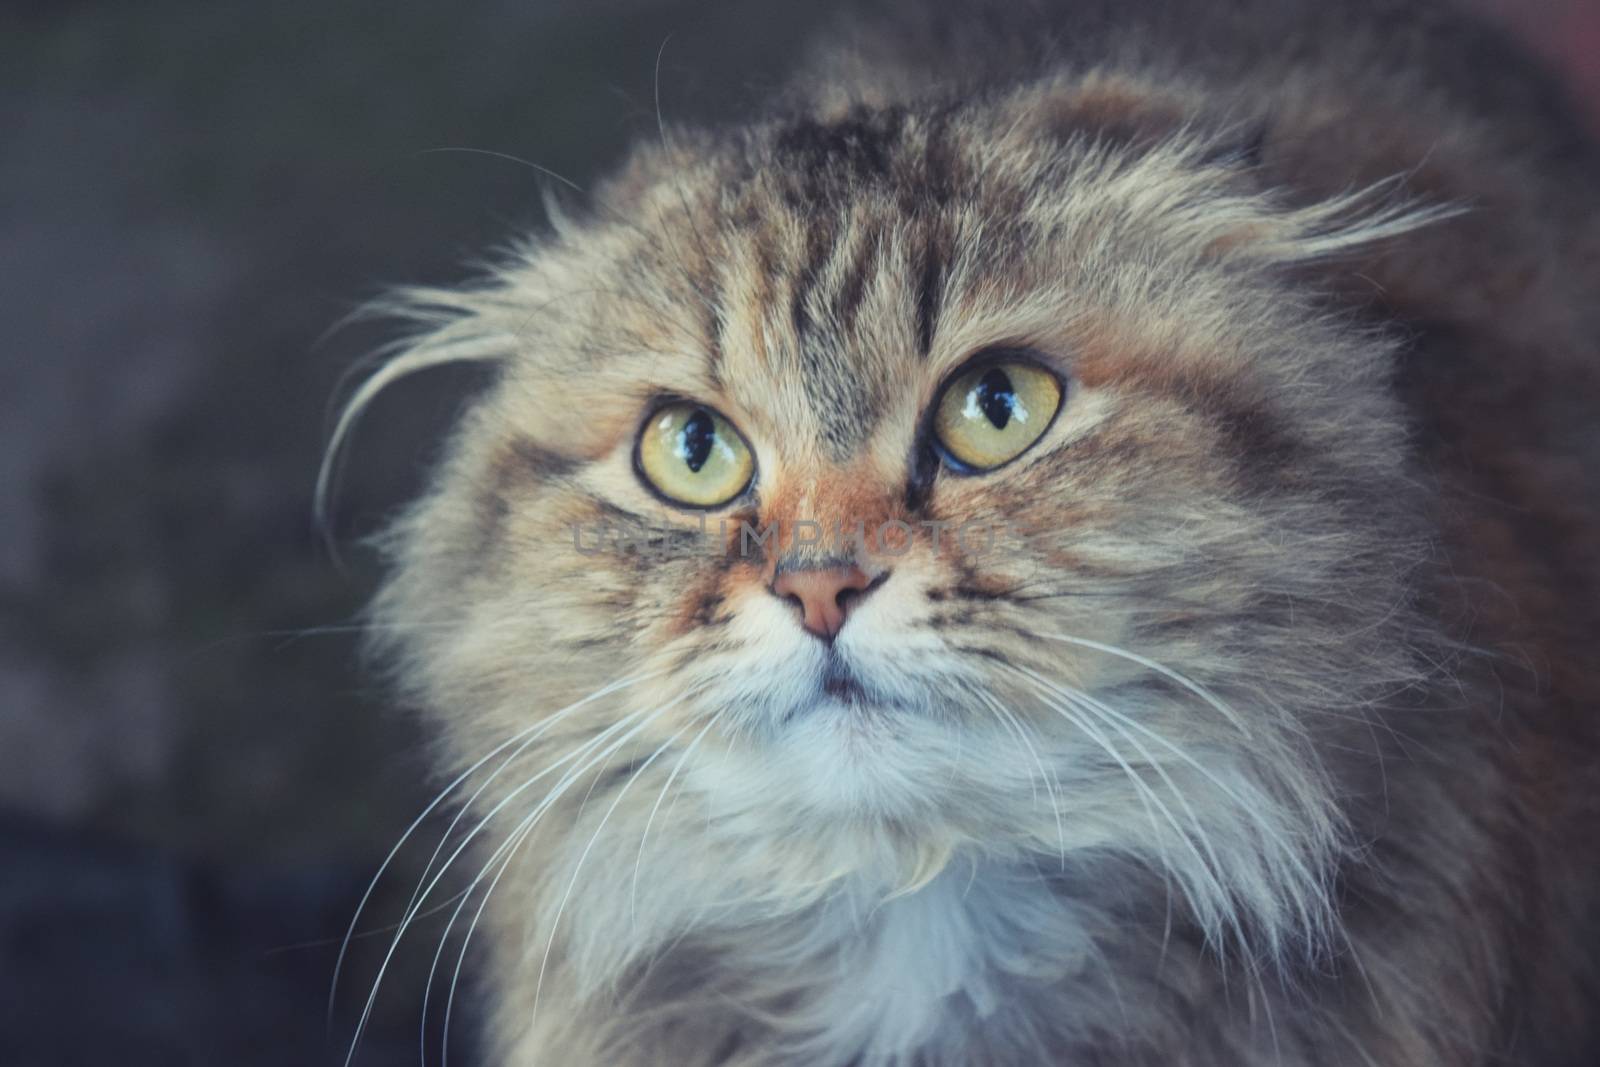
x=1005, y=350
x=653, y=400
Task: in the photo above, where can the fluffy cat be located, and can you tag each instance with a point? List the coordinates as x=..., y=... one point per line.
x=1070, y=541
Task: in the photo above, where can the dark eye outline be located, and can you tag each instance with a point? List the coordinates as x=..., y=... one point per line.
x=987, y=357
x=656, y=407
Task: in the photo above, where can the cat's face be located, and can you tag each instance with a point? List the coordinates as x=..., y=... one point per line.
x=764, y=360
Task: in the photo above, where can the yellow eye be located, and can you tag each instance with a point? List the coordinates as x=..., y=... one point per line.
x=993, y=413
x=692, y=456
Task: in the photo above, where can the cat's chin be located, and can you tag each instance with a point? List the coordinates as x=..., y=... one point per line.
x=848, y=733
x=845, y=756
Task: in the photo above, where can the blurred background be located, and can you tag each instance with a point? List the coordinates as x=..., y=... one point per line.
x=196, y=778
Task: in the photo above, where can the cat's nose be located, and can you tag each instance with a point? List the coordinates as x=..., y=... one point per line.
x=825, y=595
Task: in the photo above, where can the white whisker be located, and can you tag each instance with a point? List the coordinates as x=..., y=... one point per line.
x=411, y=915
x=1207, y=862
x=535, y=730
x=561, y=908
x=524, y=829
x=518, y=835
x=1247, y=807
x=1055, y=801
x=633, y=895
x=1160, y=668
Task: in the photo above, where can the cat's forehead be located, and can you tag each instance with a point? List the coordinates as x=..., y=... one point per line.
x=817, y=254
x=832, y=309
x=817, y=278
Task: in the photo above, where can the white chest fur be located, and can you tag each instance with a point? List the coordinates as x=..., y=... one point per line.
x=912, y=969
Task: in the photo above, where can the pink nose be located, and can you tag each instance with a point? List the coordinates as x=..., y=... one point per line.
x=824, y=596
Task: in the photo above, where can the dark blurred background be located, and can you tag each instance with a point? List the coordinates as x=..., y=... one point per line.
x=196, y=778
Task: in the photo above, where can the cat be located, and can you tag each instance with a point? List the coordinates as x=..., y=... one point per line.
x=1071, y=539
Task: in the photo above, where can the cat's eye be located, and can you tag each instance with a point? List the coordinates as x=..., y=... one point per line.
x=992, y=413
x=693, y=456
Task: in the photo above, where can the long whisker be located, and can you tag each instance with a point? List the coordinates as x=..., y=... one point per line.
x=595, y=751
x=523, y=829
x=582, y=750
x=561, y=908
x=1055, y=802
x=515, y=840
x=1011, y=729
x=1161, y=771
x=633, y=895
x=1103, y=709
x=1145, y=795
x=1209, y=868
x=508, y=849
x=1160, y=668
x=545, y=727
x=537, y=168
x=528, y=735
x=433, y=967
x=1291, y=855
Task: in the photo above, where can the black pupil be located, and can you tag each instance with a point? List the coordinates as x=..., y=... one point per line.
x=699, y=433
x=996, y=398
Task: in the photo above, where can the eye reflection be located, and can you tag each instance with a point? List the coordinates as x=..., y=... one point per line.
x=994, y=397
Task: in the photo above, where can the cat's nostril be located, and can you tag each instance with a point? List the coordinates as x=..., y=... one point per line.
x=824, y=595
x=854, y=591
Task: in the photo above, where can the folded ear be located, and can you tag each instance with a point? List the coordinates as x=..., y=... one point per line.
x=1107, y=107
x=1128, y=112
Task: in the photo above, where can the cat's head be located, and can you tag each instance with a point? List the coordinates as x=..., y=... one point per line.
x=899, y=483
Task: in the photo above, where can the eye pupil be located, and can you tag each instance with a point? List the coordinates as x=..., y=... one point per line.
x=698, y=435
x=996, y=397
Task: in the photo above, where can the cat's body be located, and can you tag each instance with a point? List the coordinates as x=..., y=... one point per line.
x=1275, y=739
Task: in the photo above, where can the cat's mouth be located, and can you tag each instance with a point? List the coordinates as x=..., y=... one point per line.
x=842, y=684
x=842, y=690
